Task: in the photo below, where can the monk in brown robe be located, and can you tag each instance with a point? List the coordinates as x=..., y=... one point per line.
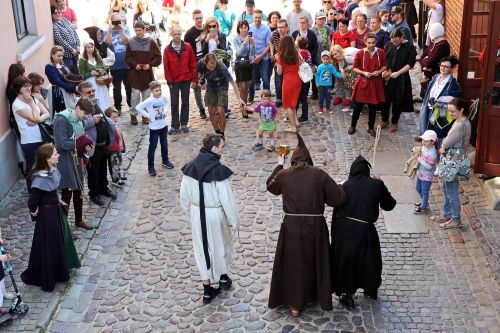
x=301, y=272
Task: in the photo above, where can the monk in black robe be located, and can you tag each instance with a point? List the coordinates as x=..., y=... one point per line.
x=301, y=272
x=355, y=249
x=401, y=57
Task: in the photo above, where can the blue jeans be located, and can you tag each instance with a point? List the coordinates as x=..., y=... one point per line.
x=278, y=84
x=452, y=206
x=162, y=134
x=423, y=187
x=325, y=97
x=262, y=69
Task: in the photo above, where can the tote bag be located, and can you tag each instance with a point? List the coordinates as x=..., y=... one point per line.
x=305, y=71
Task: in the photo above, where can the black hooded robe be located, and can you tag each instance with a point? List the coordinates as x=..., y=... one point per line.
x=355, y=249
x=301, y=271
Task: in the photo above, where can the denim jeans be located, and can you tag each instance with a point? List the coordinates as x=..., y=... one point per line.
x=183, y=89
x=452, y=206
x=303, y=100
x=119, y=77
x=136, y=99
x=162, y=134
x=325, y=97
x=262, y=69
x=423, y=187
x=278, y=84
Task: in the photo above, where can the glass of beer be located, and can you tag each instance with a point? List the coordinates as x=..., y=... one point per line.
x=283, y=150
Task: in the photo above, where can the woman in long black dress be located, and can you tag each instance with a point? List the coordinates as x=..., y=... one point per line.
x=48, y=258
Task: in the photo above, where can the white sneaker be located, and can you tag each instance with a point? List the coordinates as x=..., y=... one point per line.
x=9, y=295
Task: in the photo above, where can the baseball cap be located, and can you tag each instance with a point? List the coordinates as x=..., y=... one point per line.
x=250, y=3
x=429, y=135
x=396, y=10
x=325, y=53
x=320, y=14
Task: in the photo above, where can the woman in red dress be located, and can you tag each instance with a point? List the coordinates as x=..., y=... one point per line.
x=344, y=37
x=369, y=63
x=287, y=64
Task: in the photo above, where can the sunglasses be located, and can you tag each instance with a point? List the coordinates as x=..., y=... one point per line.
x=327, y=2
x=90, y=91
x=212, y=26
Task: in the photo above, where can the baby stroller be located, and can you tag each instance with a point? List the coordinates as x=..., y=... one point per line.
x=18, y=308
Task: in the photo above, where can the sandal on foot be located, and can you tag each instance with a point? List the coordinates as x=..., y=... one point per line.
x=290, y=130
x=450, y=225
x=294, y=312
x=439, y=219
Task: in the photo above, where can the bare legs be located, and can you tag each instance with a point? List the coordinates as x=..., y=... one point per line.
x=217, y=118
x=292, y=118
x=244, y=96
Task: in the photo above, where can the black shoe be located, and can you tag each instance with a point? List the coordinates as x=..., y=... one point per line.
x=371, y=294
x=303, y=119
x=203, y=115
x=225, y=283
x=123, y=177
x=346, y=300
x=97, y=200
x=109, y=194
x=210, y=294
x=167, y=165
x=152, y=172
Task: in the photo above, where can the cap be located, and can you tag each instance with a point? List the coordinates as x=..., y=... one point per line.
x=429, y=135
x=320, y=14
x=396, y=10
x=325, y=53
x=87, y=41
x=250, y=3
x=436, y=30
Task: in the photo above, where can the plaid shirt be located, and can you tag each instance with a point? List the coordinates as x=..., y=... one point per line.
x=66, y=36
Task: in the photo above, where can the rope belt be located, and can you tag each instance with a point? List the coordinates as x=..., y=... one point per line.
x=283, y=214
x=358, y=220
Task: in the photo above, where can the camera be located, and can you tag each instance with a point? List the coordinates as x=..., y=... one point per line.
x=116, y=23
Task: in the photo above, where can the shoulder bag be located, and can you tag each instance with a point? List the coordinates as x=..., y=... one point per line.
x=455, y=164
x=243, y=62
x=305, y=71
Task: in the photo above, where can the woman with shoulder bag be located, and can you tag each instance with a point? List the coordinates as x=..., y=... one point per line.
x=244, y=46
x=63, y=91
x=454, y=147
x=93, y=70
x=28, y=113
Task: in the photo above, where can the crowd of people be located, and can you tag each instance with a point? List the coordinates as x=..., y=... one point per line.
x=360, y=53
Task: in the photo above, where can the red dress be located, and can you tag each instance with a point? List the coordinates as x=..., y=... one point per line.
x=369, y=91
x=291, y=84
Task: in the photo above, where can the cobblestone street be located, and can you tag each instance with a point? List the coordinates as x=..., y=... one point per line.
x=139, y=273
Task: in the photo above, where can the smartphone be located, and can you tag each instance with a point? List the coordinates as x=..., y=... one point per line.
x=116, y=23
x=250, y=34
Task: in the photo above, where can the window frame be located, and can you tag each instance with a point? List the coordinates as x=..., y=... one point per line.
x=20, y=21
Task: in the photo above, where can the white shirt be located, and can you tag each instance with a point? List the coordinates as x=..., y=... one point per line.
x=293, y=19
x=29, y=134
x=437, y=87
x=156, y=110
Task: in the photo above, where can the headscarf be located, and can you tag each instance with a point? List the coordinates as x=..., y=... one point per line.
x=301, y=153
x=436, y=30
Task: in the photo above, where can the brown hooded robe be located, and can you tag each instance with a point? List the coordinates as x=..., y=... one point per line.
x=301, y=272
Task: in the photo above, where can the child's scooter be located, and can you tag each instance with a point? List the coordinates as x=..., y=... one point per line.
x=18, y=308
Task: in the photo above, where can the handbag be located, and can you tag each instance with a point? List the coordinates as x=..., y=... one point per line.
x=47, y=132
x=243, y=62
x=305, y=71
x=455, y=164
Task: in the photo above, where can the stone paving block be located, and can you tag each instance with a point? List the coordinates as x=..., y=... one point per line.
x=402, y=220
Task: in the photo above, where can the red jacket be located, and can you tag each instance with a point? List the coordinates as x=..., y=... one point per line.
x=179, y=67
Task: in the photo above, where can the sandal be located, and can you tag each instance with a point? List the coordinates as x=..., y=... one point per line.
x=290, y=130
x=294, y=312
x=450, y=225
x=439, y=219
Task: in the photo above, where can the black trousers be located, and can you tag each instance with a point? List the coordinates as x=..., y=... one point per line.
x=119, y=76
x=358, y=107
x=394, y=96
x=183, y=89
x=97, y=172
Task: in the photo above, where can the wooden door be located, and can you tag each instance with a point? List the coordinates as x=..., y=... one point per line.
x=475, y=29
x=488, y=141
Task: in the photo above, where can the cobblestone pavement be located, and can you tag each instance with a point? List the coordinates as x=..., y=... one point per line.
x=17, y=230
x=139, y=274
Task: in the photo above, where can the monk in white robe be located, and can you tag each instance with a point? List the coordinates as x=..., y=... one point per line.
x=208, y=200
